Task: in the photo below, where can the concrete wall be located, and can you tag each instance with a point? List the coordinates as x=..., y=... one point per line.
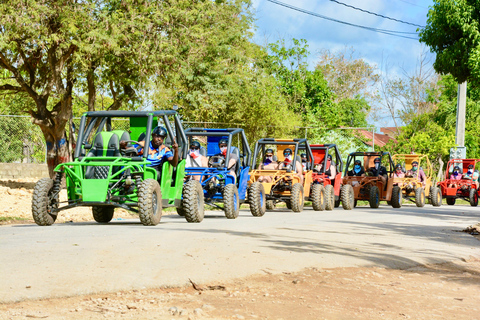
x=23, y=170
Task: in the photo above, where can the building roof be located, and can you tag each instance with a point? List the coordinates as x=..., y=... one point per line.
x=378, y=139
x=391, y=131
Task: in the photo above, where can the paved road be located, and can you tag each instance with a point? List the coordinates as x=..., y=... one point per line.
x=80, y=258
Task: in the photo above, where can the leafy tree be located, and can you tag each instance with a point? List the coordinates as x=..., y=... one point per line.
x=452, y=33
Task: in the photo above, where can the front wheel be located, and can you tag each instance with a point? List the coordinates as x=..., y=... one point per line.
x=348, y=197
x=397, y=196
x=318, y=197
x=374, y=197
x=150, y=202
x=193, y=201
x=231, y=202
x=296, y=199
x=256, y=199
x=43, y=202
x=473, y=197
x=329, y=197
x=103, y=214
x=420, y=197
x=436, y=196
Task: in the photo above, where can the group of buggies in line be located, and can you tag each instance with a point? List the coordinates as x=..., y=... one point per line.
x=190, y=168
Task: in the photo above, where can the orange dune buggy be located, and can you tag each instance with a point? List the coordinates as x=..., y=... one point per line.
x=284, y=185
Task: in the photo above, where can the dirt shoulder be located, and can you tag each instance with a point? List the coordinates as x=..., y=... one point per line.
x=444, y=291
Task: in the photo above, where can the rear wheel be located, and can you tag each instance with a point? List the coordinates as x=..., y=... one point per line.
x=397, y=196
x=256, y=199
x=43, y=203
x=450, y=201
x=374, y=197
x=180, y=211
x=231, y=201
x=329, y=197
x=150, y=202
x=103, y=214
x=193, y=202
x=288, y=204
x=348, y=197
x=296, y=199
x=270, y=204
x=420, y=197
x=318, y=197
x=436, y=196
x=473, y=196
x=337, y=203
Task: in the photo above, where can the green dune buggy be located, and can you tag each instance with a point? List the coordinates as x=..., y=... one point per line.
x=105, y=176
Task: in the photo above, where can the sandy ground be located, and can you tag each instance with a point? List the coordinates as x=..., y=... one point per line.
x=446, y=291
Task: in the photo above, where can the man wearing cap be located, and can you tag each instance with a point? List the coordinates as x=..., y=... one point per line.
x=471, y=174
x=288, y=154
x=378, y=170
x=417, y=172
x=268, y=164
x=158, y=153
x=195, y=159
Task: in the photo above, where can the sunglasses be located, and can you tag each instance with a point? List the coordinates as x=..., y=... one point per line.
x=287, y=153
x=194, y=148
x=222, y=145
x=269, y=155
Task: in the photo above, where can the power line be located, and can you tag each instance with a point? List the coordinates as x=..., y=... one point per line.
x=413, y=4
x=389, y=32
x=376, y=14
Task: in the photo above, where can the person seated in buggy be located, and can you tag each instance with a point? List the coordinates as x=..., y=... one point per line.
x=378, y=170
x=357, y=170
x=417, y=172
x=288, y=154
x=158, y=153
x=456, y=175
x=305, y=163
x=399, y=171
x=331, y=172
x=195, y=159
x=471, y=174
x=268, y=164
x=232, y=163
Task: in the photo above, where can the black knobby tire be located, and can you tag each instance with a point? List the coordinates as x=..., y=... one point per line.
x=41, y=205
x=193, y=201
x=150, y=202
x=397, y=196
x=257, y=199
x=348, y=197
x=420, y=197
x=288, y=204
x=270, y=204
x=231, y=201
x=436, y=196
x=181, y=211
x=374, y=197
x=318, y=197
x=450, y=201
x=473, y=197
x=337, y=203
x=329, y=197
x=296, y=199
x=355, y=203
x=103, y=214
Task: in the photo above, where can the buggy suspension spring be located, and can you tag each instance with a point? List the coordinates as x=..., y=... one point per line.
x=57, y=183
x=138, y=181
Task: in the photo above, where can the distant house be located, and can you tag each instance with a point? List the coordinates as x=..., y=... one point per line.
x=378, y=139
x=391, y=131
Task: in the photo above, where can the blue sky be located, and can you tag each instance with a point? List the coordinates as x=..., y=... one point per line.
x=275, y=22
x=401, y=55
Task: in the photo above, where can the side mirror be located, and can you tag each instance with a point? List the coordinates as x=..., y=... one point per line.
x=87, y=146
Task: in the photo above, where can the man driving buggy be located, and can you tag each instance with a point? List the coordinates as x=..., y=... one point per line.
x=158, y=153
x=378, y=170
x=416, y=172
x=232, y=162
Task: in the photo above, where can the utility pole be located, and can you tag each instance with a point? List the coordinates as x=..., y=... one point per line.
x=460, y=152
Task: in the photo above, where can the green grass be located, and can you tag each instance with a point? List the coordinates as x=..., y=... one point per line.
x=5, y=220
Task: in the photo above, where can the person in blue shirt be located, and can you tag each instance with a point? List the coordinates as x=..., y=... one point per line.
x=158, y=153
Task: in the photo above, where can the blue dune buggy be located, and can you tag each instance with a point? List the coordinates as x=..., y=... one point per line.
x=217, y=182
